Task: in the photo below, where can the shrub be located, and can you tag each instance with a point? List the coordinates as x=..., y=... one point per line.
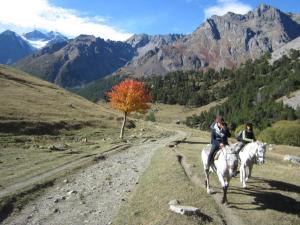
x=282, y=132
x=150, y=117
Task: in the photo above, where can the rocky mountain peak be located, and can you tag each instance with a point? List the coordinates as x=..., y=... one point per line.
x=13, y=47
x=264, y=7
x=84, y=39
x=35, y=35
x=8, y=33
x=138, y=40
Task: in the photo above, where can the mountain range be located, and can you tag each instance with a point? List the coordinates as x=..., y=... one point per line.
x=220, y=42
x=14, y=47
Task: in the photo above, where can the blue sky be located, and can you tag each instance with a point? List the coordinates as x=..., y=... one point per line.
x=119, y=19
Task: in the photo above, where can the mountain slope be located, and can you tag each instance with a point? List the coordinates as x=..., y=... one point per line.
x=13, y=47
x=87, y=58
x=79, y=61
x=285, y=49
x=27, y=98
x=221, y=41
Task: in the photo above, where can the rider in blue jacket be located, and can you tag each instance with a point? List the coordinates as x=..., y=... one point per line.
x=219, y=137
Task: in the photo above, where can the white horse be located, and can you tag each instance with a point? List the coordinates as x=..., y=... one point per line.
x=252, y=153
x=225, y=166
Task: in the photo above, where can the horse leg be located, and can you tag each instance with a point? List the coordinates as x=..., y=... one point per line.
x=247, y=173
x=250, y=171
x=243, y=175
x=207, y=181
x=224, y=198
x=224, y=185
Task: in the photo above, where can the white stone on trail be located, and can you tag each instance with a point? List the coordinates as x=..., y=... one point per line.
x=292, y=158
x=184, y=210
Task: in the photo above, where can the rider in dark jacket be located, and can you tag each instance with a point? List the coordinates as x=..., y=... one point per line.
x=247, y=135
x=219, y=137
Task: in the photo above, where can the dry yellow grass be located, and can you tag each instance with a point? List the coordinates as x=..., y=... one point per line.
x=24, y=97
x=172, y=113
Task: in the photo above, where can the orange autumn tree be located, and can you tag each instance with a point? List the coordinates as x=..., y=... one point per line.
x=129, y=96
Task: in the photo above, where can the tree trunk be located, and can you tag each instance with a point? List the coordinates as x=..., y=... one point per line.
x=123, y=125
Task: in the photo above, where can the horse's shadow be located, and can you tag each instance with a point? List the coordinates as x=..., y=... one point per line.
x=279, y=185
x=266, y=198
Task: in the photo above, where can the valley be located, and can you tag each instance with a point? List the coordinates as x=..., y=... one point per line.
x=65, y=102
x=110, y=181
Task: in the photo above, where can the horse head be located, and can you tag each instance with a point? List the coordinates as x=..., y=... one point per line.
x=260, y=152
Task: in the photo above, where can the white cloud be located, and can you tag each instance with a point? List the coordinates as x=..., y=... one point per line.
x=224, y=6
x=40, y=14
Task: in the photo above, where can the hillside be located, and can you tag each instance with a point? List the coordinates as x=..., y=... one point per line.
x=285, y=49
x=47, y=132
x=33, y=106
x=253, y=96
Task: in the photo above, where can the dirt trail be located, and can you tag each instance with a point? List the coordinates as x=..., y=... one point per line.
x=94, y=195
x=23, y=184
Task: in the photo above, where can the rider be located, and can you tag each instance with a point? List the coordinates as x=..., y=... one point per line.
x=219, y=137
x=247, y=135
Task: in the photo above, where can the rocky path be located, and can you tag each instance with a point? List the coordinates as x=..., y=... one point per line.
x=94, y=195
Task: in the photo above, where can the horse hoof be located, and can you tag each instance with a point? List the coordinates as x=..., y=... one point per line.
x=209, y=191
x=244, y=186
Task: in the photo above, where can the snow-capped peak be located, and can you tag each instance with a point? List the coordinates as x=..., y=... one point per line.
x=39, y=39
